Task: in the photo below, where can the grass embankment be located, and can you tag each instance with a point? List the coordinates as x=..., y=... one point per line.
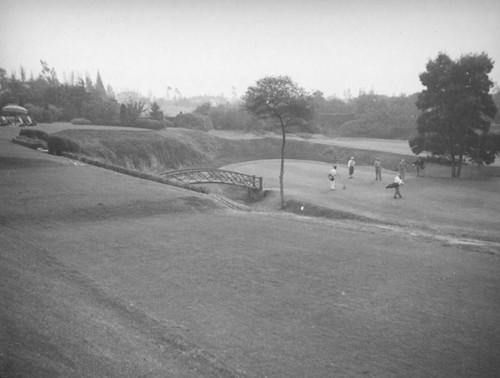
x=156, y=151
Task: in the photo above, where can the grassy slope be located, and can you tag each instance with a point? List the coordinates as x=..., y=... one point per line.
x=174, y=148
x=433, y=202
x=107, y=275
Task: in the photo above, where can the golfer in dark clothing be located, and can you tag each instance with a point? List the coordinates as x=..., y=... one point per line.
x=420, y=165
x=378, y=169
x=350, y=164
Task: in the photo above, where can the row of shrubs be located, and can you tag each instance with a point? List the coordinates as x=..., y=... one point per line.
x=56, y=145
x=34, y=134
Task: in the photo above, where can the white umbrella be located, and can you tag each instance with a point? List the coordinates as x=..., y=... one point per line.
x=15, y=109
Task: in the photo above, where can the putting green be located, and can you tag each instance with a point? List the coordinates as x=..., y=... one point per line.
x=466, y=206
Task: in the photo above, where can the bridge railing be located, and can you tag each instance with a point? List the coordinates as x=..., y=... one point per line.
x=214, y=176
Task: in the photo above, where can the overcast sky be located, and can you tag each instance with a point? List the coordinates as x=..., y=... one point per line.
x=207, y=47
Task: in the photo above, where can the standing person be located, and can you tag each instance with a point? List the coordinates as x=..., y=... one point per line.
x=402, y=168
x=420, y=165
x=396, y=184
x=350, y=164
x=332, y=176
x=378, y=169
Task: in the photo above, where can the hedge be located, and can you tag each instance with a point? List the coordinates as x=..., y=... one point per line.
x=34, y=134
x=57, y=145
x=193, y=121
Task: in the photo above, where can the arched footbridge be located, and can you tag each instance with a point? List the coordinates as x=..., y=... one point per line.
x=216, y=176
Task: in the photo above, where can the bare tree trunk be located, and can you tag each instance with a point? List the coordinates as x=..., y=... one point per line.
x=282, y=169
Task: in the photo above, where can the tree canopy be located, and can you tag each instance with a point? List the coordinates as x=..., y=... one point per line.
x=155, y=111
x=48, y=100
x=456, y=111
x=278, y=98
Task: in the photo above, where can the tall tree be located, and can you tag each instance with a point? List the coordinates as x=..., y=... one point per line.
x=22, y=72
x=278, y=98
x=134, y=111
x=123, y=115
x=456, y=110
x=155, y=111
x=99, y=86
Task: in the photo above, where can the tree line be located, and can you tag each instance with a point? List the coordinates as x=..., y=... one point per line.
x=81, y=100
x=450, y=119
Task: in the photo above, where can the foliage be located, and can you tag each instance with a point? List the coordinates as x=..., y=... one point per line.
x=233, y=117
x=133, y=111
x=193, y=121
x=204, y=109
x=123, y=114
x=168, y=123
x=57, y=145
x=496, y=100
x=34, y=134
x=369, y=115
x=50, y=100
x=99, y=87
x=279, y=99
x=100, y=110
x=456, y=111
x=155, y=112
x=44, y=115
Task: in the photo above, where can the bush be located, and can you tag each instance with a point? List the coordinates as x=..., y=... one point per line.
x=80, y=121
x=230, y=117
x=193, y=121
x=151, y=124
x=56, y=145
x=34, y=134
x=39, y=114
x=56, y=113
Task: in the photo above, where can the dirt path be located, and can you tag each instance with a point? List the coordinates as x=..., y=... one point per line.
x=107, y=275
